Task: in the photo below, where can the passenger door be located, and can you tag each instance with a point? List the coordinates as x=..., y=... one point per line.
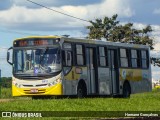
x=114, y=70
x=92, y=83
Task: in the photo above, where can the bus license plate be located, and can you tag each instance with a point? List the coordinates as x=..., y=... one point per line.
x=34, y=90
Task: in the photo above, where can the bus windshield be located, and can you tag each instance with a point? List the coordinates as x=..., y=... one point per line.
x=37, y=61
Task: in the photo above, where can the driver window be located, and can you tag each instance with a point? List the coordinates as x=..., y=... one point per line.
x=68, y=58
x=67, y=54
x=67, y=61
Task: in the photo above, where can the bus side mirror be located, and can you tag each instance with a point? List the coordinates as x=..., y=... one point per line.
x=8, y=56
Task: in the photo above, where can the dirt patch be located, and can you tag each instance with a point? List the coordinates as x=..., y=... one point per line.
x=6, y=100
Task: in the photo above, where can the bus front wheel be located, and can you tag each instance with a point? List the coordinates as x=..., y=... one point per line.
x=81, y=91
x=126, y=90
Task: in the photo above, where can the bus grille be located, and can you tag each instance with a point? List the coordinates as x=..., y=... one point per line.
x=39, y=85
x=39, y=91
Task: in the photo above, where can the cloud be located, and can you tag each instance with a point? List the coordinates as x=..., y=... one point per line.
x=155, y=72
x=21, y=17
x=120, y=7
x=139, y=26
x=6, y=4
x=3, y=49
x=154, y=34
x=4, y=66
x=156, y=31
x=55, y=3
x=156, y=11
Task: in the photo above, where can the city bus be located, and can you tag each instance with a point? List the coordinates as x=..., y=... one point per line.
x=63, y=66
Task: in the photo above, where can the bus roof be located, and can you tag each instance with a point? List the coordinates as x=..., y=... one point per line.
x=29, y=37
x=100, y=42
x=90, y=41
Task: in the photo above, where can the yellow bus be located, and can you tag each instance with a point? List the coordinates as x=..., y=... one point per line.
x=59, y=66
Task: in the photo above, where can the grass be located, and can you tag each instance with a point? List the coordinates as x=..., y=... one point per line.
x=137, y=102
x=6, y=93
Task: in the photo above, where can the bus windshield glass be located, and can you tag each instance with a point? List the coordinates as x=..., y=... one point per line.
x=37, y=61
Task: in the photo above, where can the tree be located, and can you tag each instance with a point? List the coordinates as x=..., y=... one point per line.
x=6, y=82
x=155, y=61
x=101, y=28
x=111, y=30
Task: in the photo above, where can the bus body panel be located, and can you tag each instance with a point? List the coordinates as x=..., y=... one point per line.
x=30, y=87
x=71, y=79
x=104, y=81
x=54, y=90
x=140, y=80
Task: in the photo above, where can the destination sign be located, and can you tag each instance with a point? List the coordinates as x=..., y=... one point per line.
x=35, y=42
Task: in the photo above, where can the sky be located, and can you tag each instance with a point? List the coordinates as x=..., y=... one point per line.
x=20, y=18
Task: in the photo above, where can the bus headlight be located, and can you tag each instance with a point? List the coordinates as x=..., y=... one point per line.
x=50, y=84
x=55, y=82
x=59, y=80
x=18, y=85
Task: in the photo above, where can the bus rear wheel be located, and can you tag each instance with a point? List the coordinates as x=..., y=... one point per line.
x=126, y=90
x=81, y=91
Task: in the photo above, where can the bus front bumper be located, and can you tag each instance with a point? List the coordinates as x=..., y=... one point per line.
x=53, y=90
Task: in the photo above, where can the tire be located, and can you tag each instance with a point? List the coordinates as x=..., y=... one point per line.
x=81, y=91
x=126, y=90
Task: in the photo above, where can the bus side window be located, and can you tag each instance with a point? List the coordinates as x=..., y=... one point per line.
x=102, y=52
x=80, y=55
x=139, y=65
x=144, y=59
x=67, y=54
x=134, y=58
x=67, y=58
x=123, y=57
